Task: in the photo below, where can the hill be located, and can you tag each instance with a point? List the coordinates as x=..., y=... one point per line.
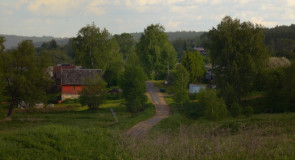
x=174, y=35
x=11, y=41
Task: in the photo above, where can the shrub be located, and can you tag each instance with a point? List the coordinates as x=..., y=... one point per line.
x=93, y=92
x=214, y=107
x=235, y=109
x=248, y=111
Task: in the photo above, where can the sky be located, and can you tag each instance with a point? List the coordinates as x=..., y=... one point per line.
x=64, y=18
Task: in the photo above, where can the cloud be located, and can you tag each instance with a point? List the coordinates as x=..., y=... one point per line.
x=96, y=8
x=290, y=3
x=260, y=20
x=52, y=7
x=9, y=7
x=172, y=24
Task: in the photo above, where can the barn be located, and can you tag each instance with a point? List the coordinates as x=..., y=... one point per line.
x=72, y=80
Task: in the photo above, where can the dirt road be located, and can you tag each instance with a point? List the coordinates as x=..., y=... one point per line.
x=162, y=111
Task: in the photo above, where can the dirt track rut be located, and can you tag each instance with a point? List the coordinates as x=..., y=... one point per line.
x=162, y=111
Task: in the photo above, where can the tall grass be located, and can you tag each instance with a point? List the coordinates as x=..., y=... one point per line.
x=256, y=138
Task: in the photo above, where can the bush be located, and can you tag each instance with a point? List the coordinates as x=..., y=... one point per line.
x=214, y=107
x=70, y=101
x=53, y=98
x=235, y=109
x=93, y=92
x=248, y=111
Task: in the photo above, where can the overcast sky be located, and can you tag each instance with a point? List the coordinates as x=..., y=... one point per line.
x=64, y=18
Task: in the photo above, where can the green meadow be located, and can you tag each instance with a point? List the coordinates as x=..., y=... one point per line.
x=70, y=131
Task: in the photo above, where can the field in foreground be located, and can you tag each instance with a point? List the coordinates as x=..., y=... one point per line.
x=80, y=134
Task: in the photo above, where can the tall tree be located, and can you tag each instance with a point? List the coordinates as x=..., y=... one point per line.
x=180, y=85
x=2, y=82
x=133, y=84
x=290, y=87
x=94, y=48
x=151, y=47
x=237, y=54
x=194, y=64
x=126, y=43
x=2, y=47
x=25, y=76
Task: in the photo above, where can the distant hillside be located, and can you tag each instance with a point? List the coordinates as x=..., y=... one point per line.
x=11, y=41
x=175, y=35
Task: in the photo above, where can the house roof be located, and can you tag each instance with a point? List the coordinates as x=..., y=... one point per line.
x=77, y=76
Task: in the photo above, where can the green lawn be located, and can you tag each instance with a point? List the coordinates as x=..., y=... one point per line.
x=76, y=133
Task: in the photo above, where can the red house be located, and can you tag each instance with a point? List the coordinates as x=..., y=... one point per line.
x=72, y=79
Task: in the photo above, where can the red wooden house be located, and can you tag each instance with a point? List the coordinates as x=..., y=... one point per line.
x=72, y=79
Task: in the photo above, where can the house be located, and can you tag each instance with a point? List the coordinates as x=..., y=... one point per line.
x=72, y=79
x=201, y=50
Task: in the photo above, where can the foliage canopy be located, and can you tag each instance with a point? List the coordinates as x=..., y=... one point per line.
x=238, y=54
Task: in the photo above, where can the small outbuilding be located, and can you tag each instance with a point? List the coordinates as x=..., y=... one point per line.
x=72, y=80
x=195, y=88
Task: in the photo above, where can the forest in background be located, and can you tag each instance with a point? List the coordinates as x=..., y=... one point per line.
x=279, y=40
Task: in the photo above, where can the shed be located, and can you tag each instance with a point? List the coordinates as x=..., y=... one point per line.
x=72, y=80
x=195, y=88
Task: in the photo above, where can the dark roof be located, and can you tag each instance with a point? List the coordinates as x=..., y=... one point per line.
x=77, y=76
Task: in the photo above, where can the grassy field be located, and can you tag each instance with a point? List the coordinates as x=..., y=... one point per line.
x=67, y=132
x=262, y=136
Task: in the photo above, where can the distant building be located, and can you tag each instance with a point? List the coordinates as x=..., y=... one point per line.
x=72, y=79
x=201, y=50
x=195, y=88
x=57, y=73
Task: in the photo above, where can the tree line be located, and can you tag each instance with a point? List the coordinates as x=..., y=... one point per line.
x=237, y=51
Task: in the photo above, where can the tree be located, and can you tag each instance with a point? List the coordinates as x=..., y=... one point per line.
x=2, y=47
x=237, y=54
x=194, y=64
x=274, y=95
x=150, y=49
x=289, y=87
x=133, y=84
x=94, y=48
x=214, y=107
x=126, y=43
x=93, y=92
x=2, y=83
x=180, y=85
x=24, y=75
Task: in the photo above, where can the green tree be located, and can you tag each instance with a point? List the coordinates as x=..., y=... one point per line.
x=126, y=43
x=237, y=54
x=194, y=64
x=151, y=47
x=289, y=87
x=93, y=92
x=2, y=47
x=214, y=107
x=25, y=76
x=275, y=97
x=235, y=109
x=133, y=84
x=94, y=48
x=180, y=85
x=2, y=81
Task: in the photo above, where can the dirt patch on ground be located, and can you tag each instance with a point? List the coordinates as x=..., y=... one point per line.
x=162, y=111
